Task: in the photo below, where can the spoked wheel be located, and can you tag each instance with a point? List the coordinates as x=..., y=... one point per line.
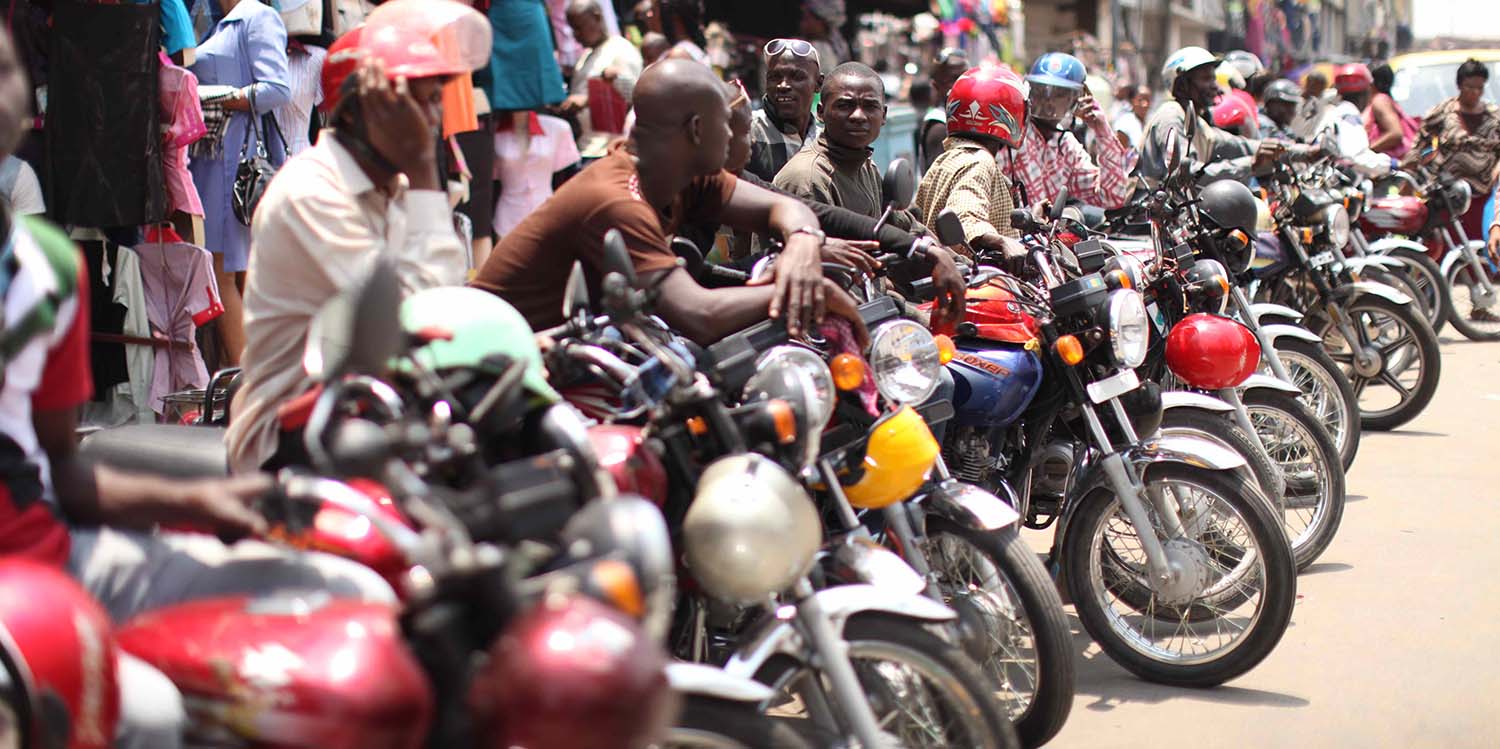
x=1402, y=282
x=925, y=693
x=1326, y=391
x=1304, y=452
x=1011, y=622
x=1476, y=313
x=1431, y=287
x=1397, y=374
x=1223, y=429
x=1224, y=616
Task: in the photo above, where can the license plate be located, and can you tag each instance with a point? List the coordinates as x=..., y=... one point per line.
x=1113, y=387
x=1321, y=259
x=1157, y=318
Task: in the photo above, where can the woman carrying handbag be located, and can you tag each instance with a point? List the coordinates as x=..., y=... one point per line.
x=247, y=54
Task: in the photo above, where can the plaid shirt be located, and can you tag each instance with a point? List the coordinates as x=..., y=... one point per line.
x=1044, y=166
x=770, y=148
x=966, y=179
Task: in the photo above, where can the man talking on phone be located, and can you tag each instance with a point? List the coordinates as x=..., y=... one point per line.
x=1050, y=159
x=369, y=188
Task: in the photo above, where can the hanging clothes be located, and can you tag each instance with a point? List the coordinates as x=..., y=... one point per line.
x=182, y=295
x=526, y=175
x=103, y=136
x=523, y=72
x=182, y=116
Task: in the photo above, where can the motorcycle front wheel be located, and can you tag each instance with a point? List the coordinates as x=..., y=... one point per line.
x=925, y=692
x=1409, y=362
x=1222, y=428
x=1470, y=316
x=1326, y=391
x=1313, y=505
x=1432, y=288
x=1011, y=622
x=1231, y=542
x=707, y=723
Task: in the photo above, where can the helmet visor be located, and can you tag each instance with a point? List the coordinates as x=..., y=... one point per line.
x=1051, y=103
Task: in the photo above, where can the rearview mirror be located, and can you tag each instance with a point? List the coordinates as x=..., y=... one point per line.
x=950, y=230
x=617, y=258
x=1191, y=122
x=1058, y=206
x=576, y=297
x=688, y=250
x=899, y=186
x=356, y=331
x=1174, y=152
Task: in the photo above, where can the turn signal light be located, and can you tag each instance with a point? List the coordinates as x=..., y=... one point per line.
x=1307, y=235
x=616, y=581
x=1069, y=350
x=785, y=421
x=1118, y=279
x=1240, y=238
x=946, y=348
x=1223, y=283
x=697, y=426
x=848, y=371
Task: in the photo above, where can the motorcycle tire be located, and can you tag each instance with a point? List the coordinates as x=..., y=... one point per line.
x=967, y=694
x=1039, y=605
x=1428, y=278
x=1460, y=279
x=1402, y=282
x=1414, y=400
x=1325, y=390
x=708, y=723
x=1222, y=428
x=1315, y=482
x=1099, y=511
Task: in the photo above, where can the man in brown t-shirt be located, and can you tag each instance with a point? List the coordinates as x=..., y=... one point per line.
x=668, y=172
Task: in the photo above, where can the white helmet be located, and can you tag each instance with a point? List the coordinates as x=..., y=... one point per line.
x=1183, y=60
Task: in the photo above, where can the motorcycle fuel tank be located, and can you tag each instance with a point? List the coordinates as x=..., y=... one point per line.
x=634, y=467
x=1395, y=214
x=993, y=385
x=293, y=672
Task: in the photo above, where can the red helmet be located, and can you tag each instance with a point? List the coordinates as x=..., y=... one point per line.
x=413, y=39
x=1231, y=113
x=1352, y=78
x=988, y=100
x=1212, y=352
x=58, y=650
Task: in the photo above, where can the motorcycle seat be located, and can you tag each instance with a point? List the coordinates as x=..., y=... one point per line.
x=173, y=450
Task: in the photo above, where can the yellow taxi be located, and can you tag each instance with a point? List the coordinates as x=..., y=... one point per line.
x=1423, y=79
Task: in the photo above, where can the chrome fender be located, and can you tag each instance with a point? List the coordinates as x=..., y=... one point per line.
x=972, y=507
x=1456, y=255
x=1379, y=261
x=1261, y=309
x=1279, y=331
x=1348, y=291
x=873, y=564
x=1385, y=245
x=1190, y=399
x=710, y=681
x=1259, y=381
x=778, y=635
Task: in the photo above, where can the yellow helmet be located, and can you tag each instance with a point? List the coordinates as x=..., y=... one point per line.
x=899, y=455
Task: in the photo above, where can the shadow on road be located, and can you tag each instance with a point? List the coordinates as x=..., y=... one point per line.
x=1406, y=433
x=1318, y=568
x=1355, y=498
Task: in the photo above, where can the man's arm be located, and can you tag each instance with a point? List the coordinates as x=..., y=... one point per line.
x=1112, y=187
x=799, y=272
x=707, y=315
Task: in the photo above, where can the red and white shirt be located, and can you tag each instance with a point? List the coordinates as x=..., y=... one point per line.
x=1044, y=165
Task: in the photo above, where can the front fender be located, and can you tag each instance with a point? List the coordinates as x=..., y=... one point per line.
x=1345, y=292
x=1456, y=255
x=710, y=681
x=1279, y=331
x=1385, y=245
x=1259, y=381
x=779, y=636
x=969, y=506
x=1262, y=309
x=1190, y=399
x=1378, y=261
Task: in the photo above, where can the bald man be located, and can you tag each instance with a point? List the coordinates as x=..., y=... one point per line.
x=669, y=171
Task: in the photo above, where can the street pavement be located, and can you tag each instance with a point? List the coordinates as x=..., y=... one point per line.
x=1395, y=640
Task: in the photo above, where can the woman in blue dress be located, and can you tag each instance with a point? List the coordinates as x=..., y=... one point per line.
x=246, y=48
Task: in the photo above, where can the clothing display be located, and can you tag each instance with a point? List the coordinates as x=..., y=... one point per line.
x=526, y=175
x=19, y=185
x=247, y=46
x=523, y=73
x=181, y=295
x=304, y=65
x=967, y=179
x=183, y=116
x=133, y=398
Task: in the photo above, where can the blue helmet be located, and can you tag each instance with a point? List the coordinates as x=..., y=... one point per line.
x=1058, y=69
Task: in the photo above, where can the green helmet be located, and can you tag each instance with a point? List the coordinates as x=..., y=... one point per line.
x=479, y=325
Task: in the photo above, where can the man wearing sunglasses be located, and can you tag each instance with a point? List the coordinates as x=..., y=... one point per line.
x=1050, y=159
x=785, y=120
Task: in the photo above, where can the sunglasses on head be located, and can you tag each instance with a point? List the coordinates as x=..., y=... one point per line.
x=741, y=97
x=798, y=47
x=950, y=54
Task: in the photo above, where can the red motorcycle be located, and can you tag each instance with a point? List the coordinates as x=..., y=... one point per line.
x=1427, y=221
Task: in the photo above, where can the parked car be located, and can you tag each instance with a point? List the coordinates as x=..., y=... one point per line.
x=1423, y=79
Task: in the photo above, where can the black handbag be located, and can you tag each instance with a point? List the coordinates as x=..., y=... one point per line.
x=255, y=169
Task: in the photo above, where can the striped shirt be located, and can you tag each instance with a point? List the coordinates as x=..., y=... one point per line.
x=966, y=179
x=304, y=70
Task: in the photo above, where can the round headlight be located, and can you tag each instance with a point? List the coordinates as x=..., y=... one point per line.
x=1129, y=328
x=797, y=376
x=751, y=531
x=905, y=360
x=1461, y=196
x=1338, y=226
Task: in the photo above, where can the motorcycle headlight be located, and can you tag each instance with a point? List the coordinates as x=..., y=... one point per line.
x=1337, y=223
x=1129, y=328
x=1461, y=196
x=751, y=531
x=797, y=376
x=904, y=357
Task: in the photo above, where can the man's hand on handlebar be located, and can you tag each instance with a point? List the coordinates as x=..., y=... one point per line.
x=855, y=254
x=1267, y=153
x=948, y=287
x=801, y=295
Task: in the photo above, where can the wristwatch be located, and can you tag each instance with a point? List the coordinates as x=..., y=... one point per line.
x=812, y=232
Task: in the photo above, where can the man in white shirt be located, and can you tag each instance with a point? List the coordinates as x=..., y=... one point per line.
x=369, y=188
x=1130, y=126
x=608, y=56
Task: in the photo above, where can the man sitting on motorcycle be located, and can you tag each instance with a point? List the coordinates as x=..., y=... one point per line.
x=668, y=171
x=1345, y=123
x=1050, y=159
x=369, y=188
x=98, y=522
x=1279, y=110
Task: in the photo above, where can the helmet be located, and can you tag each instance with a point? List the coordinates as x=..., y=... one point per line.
x=1181, y=61
x=1057, y=69
x=1231, y=113
x=1352, y=78
x=413, y=39
x=1229, y=205
x=1282, y=89
x=989, y=101
x=899, y=456
x=57, y=649
x=1212, y=352
x=1246, y=63
x=1229, y=76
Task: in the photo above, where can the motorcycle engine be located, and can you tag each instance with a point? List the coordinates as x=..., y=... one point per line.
x=967, y=455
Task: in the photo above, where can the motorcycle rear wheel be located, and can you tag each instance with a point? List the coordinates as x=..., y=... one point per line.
x=1463, y=284
x=995, y=581
x=1402, y=336
x=1313, y=505
x=1434, y=290
x=1326, y=391
x=947, y=702
x=1262, y=574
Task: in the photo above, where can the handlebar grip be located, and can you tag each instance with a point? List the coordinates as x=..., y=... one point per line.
x=727, y=274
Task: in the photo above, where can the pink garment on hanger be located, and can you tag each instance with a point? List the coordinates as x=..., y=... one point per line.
x=182, y=118
x=181, y=296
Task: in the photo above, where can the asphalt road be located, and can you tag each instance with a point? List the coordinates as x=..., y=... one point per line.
x=1395, y=641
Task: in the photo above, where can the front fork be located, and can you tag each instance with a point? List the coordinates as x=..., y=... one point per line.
x=832, y=660
x=1267, y=343
x=1364, y=360
x=1471, y=258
